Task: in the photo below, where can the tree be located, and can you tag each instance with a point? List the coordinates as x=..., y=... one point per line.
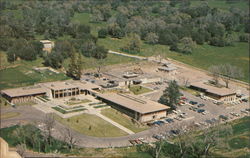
x=186, y=45
x=171, y=95
x=75, y=66
x=215, y=71
x=49, y=123
x=100, y=53
x=54, y=60
x=21, y=148
x=167, y=38
x=102, y=33
x=151, y=38
x=244, y=37
x=226, y=72
x=69, y=138
x=133, y=44
x=229, y=72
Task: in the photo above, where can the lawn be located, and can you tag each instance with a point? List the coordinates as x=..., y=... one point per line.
x=21, y=74
x=63, y=111
x=122, y=120
x=28, y=103
x=139, y=89
x=91, y=63
x=92, y=125
x=9, y=115
x=74, y=102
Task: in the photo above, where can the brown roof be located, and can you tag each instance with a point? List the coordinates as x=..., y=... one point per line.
x=59, y=85
x=134, y=103
x=85, y=85
x=23, y=91
x=212, y=89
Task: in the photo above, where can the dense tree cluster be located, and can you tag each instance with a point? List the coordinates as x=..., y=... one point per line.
x=174, y=23
x=51, y=20
x=164, y=23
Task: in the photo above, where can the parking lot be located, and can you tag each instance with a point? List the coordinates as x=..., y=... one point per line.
x=195, y=111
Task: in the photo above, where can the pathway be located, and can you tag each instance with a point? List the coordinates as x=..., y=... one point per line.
x=115, y=124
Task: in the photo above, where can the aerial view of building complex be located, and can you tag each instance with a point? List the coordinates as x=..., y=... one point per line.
x=123, y=78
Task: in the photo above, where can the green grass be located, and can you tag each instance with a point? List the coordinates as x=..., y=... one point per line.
x=91, y=63
x=123, y=120
x=92, y=125
x=100, y=106
x=71, y=102
x=21, y=74
x=9, y=115
x=27, y=103
x=139, y=89
x=84, y=18
x=66, y=112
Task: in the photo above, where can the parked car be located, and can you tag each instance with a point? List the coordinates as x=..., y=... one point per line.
x=158, y=123
x=193, y=102
x=234, y=114
x=200, y=105
x=158, y=136
x=132, y=142
x=244, y=100
x=244, y=111
x=178, y=118
x=174, y=132
x=182, y=116
x=169, y=120
x=200, y=110
x=223, y=117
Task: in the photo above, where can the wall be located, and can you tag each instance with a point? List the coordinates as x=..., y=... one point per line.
x=153, y=116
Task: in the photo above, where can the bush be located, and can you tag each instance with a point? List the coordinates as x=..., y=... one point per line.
x=244, y=38
x=216, y=41
x=102, y=33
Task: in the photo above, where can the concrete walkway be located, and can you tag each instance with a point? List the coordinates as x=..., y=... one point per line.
x=115, y=124
x=127, y=55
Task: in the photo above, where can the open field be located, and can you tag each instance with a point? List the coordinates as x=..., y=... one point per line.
x=139, y=90
x=21, y=74
x=92, y=125
x=202, y=57
x=91, y=63
x=9, y=115
x=122, y=120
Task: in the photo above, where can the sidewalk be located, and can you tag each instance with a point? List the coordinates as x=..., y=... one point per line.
x=114, y=123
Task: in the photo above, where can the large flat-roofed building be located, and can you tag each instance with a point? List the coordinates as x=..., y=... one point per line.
x=58, y=89
x=23, y=94
x=62, y=89
x=143, y=110
x=221, y=94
